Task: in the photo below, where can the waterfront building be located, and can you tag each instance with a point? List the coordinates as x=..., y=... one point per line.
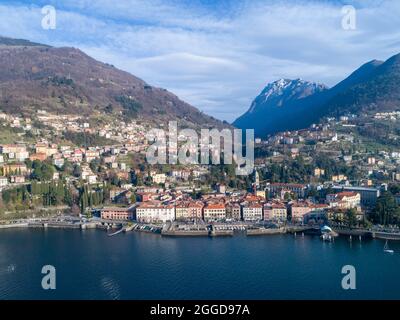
x=252, y=212
x=344, y=200
x=337, y=214
x=275, y=211
x=155, y=212
x=233, y=211
x=298, y=209
x=368, y=196
x=189, y=210
x=316, y=217
x=117, y=213
x=214, y=212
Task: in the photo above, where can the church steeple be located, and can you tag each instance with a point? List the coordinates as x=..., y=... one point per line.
x=256, y=182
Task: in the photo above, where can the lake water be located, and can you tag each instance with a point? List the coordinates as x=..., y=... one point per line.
x=91, y=265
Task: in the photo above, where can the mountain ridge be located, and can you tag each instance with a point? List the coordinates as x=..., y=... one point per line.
x=285, y=90
x=373, y=86
x=67, y=80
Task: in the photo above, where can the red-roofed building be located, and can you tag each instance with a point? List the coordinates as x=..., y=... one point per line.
x=144, y=196
x=298, y=209
x=155, y=212
x=344, y=200
x=277, y=188
x=38, y=156
x=252, y=211
x=189, y=210
x=214, y=212
x=117, y=213
x=275, y=211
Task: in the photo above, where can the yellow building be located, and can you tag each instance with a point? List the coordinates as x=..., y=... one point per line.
x=15, y=168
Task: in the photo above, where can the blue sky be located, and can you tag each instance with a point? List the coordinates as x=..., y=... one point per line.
x=216, y=55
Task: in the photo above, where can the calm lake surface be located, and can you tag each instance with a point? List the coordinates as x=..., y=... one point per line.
x=91, y=265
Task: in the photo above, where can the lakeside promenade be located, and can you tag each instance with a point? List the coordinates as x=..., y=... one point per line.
x=182, y=229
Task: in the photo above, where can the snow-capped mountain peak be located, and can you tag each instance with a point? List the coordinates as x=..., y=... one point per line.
x=279, y=92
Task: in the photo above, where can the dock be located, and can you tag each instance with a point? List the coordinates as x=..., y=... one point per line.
x=221, y=233
x=264, y=231
x=374, y=234
x=116, y=232
x=183, y=230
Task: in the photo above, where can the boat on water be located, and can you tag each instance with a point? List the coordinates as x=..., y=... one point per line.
x=386, y=248
x=326, y=237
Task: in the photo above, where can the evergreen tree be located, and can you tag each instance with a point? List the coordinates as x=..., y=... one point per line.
x=350, y=217
x=386, y=210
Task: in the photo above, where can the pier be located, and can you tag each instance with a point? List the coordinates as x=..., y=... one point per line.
x=198, y=229
x=369, y=234
x=264, y=231
x=183, y=230
x=116, y=232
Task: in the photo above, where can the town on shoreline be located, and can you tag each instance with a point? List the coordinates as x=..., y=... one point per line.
x=323, y=175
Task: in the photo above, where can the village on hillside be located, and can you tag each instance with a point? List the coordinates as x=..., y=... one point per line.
x=66, y=165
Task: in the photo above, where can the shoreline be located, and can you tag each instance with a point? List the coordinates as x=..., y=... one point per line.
x=227, y=230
